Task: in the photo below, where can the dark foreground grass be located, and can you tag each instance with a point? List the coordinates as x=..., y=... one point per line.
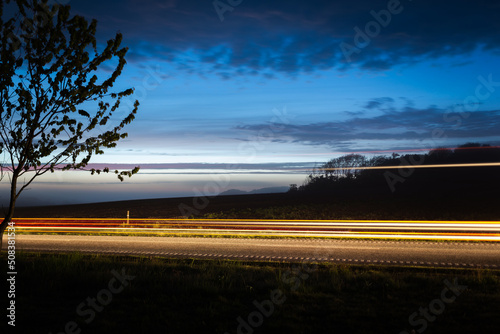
x=453, y=206
x=55, y=294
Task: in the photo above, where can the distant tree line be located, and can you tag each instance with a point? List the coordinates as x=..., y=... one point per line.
x=409, y=174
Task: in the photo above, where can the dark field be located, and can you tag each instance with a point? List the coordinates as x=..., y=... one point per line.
x=451, y=206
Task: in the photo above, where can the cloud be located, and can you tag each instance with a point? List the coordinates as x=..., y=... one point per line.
x=378, y=102
x=295, y=36
x=393, y=127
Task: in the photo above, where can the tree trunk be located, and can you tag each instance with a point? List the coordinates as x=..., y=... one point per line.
x=12, y=205
x=3, y=227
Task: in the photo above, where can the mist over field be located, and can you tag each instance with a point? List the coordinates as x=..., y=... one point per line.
x=156, y=181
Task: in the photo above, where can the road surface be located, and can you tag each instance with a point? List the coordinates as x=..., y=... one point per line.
x=409, y=253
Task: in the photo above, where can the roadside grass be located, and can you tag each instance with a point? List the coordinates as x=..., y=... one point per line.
x=209, y=296
x=356, y=210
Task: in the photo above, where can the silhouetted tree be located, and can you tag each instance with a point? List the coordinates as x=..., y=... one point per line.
x=48, y=69
x=343, y=175
x=439, y=155
x=346, y=166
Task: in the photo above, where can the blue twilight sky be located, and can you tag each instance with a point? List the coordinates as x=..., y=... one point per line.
x=280, y=81
x=288, y=81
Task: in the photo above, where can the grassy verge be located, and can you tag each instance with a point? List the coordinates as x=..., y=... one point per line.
x=209, y=296
x=361, y=209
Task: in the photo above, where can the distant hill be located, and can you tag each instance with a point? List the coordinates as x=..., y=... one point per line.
x=269, y=190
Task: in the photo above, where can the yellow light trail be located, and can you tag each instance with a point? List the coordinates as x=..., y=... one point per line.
x=357, y=235
x=483, y=164
x=267, y=220
x=391, y=229
x=478, y=227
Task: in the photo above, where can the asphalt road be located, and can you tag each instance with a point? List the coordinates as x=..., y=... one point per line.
x=412, y=253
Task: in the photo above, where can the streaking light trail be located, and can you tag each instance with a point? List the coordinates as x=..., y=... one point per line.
x=483, y=164
x=383, y=229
